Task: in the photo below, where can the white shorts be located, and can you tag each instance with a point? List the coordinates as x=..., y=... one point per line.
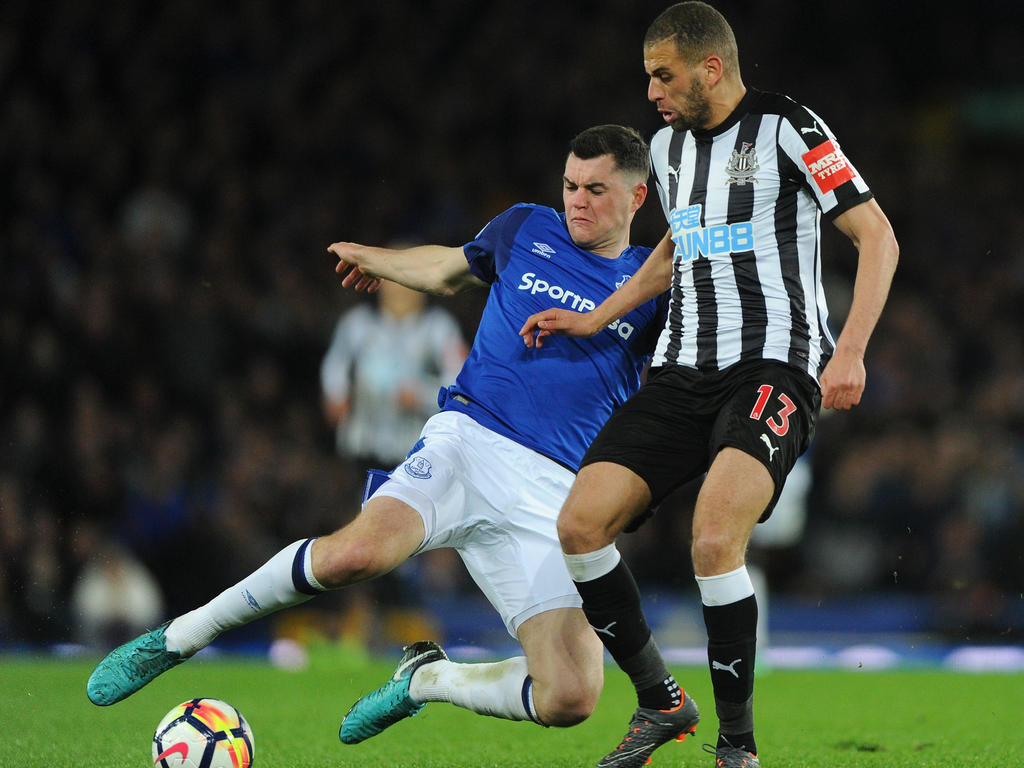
x=496, y=503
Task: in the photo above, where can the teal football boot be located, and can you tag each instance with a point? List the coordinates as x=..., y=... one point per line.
x=391, y=702
x=131, y=666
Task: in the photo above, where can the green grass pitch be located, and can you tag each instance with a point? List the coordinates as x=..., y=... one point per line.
x=805, y=719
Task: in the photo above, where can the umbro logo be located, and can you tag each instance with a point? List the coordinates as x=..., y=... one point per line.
x=543, y=249
x=252, y=601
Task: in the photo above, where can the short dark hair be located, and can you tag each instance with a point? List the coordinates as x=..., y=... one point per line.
x=698, y=30
x=623, y=143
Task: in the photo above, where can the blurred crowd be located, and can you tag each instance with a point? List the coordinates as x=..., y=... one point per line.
x=174, y=172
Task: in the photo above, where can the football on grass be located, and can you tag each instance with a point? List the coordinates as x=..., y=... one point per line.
x=203, y=733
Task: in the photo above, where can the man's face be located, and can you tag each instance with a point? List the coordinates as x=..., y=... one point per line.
x=676, y=88
x=599, y=201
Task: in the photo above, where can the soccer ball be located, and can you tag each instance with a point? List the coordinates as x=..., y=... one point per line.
x=203, y=733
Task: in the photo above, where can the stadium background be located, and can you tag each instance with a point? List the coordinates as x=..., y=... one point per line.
x=174, y=172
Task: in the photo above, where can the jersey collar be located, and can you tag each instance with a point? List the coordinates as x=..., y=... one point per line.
x=734, y=117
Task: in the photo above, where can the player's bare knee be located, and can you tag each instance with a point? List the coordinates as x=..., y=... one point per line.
x=339, y=561
x=715, y=553
x=569, y=696
x=566, y=706
x=568, y=532
x=578, y=535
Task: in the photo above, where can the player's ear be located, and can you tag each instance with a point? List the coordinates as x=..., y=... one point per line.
x=711, y=70
x=639, y=195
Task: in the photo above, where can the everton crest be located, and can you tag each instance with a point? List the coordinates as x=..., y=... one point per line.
x=742, y=165
x=419, y=468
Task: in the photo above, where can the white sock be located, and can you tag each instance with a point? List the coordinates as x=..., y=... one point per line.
x=501, y=689
x=725, y=588
x=592, y=565
x=284, y=580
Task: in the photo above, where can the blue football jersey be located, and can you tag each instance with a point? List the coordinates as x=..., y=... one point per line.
x=553, y=399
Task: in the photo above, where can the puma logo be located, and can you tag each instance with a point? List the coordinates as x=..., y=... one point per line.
x=771, y=448
x=813, y=129
x=717, y=665
x=606, y=631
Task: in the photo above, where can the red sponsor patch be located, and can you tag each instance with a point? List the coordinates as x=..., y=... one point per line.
x=828, y=165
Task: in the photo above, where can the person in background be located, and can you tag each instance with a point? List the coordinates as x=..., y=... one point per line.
x=382, y=371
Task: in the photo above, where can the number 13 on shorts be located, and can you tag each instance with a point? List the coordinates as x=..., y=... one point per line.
x=778, y=421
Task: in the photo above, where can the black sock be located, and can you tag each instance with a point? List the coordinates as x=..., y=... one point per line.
x=612, y=606
x=655, y=686
x=741, y=740
x=732, y=641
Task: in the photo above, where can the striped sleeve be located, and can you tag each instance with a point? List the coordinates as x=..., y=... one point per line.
x=816, y=154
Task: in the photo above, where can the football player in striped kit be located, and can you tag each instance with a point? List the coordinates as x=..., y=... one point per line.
x=742, y=367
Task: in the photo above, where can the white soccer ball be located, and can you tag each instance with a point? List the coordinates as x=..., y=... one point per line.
x=203, y=733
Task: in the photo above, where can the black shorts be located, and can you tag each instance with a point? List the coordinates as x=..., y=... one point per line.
x=670, y=430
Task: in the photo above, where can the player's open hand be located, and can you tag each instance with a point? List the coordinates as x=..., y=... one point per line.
x=842, y=381
x=540, y=325
x=348, y=267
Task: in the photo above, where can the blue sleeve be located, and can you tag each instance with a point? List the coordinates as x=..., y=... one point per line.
x=488, y=252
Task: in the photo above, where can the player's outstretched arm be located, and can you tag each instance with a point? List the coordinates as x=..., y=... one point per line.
x=653, y=278
x=562, y=321
x=433, y=269
x=844, y=378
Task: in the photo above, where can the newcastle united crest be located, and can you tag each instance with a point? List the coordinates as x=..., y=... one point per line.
x=742, y=165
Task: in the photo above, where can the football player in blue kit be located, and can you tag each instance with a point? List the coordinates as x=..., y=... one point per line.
x=490, y=470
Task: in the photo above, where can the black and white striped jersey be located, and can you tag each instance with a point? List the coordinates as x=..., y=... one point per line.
x=744, y=204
